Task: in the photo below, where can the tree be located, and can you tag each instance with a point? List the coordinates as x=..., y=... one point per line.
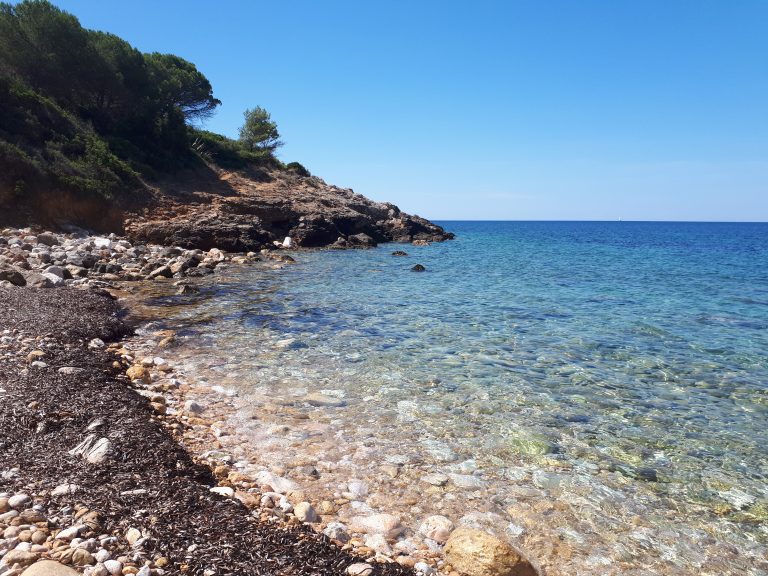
x=259, y=131
x=182, y=86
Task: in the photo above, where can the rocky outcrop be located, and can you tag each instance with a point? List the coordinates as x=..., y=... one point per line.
x=250, y=211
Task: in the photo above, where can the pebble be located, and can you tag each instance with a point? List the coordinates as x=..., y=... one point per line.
x=19, y=501
x=386, y=524
x=113, y=567
x=304, y=512
x=436, y=528
x=360, y=569
x=435, y=479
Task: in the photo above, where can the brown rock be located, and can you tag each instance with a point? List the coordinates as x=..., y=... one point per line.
x=82, y=557
x=139, y=372
x=476, y=553
x=20, y=557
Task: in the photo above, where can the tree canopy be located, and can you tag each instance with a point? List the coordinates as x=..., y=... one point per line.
x=84, y=110
x=259, y=132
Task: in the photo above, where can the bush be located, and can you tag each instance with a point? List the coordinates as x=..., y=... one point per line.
x=298, y=168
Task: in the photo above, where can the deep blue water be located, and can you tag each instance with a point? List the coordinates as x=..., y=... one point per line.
x=630, y=352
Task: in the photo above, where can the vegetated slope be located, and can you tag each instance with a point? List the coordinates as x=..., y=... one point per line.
x=96, y=133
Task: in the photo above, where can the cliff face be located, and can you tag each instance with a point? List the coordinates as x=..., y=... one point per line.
x=250, y=210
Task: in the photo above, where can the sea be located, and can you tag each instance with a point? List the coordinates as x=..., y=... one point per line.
x=595, y=392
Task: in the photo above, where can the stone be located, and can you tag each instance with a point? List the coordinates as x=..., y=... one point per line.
x=193, y=407
x=361, y=239
x=101, y=242
x=324, y=400
x=288, y=242
x=279, y=484
x=132, y=535
x=356, y=490
x=113, y=567
x=304, y=512
x=436, y=479
x=385, y=524
x=418, y=268
x=378, y=543
x=399, y=253
x=35, y=280
x=20, y=501
x=162, y=271
x=94, y=450
x=360, y=569
x=12, y=275
x=139, y=372
x=467, y=481
x=70, y=370
x=53, y=279
x=225, y=491
x=473, y=552
x=58, y=271
x=20, y=557
x=71, y=533
x=82, y=557
x=436, y=528
x=49, y=568
x=337, y=531
x=48, y=239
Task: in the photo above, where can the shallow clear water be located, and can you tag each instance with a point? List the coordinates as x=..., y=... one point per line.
x=617, y=369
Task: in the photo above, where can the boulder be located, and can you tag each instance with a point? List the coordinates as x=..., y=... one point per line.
x=418, y=268
x=473, y=552
x=361, y=240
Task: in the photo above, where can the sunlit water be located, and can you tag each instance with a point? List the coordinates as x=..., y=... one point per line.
x=600, y=388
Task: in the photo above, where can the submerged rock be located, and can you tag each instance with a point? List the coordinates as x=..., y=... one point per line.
x=418, y=268
x=476, y=553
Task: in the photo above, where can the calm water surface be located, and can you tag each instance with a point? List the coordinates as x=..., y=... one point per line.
x=617, y=369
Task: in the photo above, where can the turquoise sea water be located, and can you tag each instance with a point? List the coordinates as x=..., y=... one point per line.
x=621, y=368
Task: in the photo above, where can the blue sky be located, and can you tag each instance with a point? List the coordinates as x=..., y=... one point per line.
x=647, y=110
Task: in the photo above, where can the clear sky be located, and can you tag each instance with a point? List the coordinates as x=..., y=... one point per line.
x=571, y=109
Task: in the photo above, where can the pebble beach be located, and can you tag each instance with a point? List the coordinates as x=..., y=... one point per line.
x=146, y=478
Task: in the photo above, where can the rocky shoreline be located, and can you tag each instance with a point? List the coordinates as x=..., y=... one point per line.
x=138, y=453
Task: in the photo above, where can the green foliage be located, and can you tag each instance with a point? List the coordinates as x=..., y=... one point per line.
x=226, y=152
x=259, y=132
x=181, y=86
x=43, y=145
x=84, y=111
x=298, y=168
